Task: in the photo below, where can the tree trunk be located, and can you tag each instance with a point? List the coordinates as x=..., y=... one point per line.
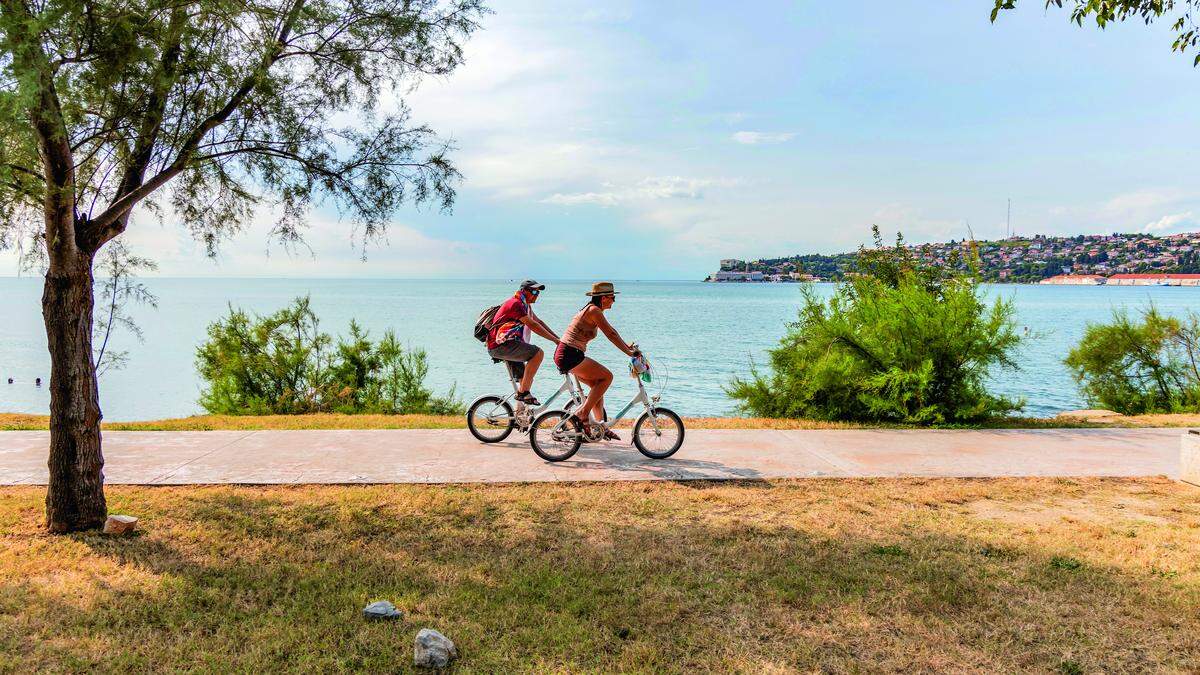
x=75, y=497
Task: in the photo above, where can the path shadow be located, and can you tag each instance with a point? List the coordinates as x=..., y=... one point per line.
x=624, y=457
x=611, y=456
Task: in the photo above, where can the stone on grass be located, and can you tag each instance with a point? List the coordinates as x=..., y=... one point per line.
x=1189, y=457
x=432, y=649
x=120, y=525
x=380, y=611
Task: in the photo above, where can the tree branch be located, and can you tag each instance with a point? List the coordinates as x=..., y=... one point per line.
x=112, y=222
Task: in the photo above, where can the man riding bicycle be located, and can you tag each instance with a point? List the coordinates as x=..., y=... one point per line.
x=508, y=338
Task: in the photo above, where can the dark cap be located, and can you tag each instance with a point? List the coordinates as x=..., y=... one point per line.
x=531, y=285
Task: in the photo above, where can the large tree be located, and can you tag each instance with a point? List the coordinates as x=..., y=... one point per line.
x=202, y=110
x=1181, y=13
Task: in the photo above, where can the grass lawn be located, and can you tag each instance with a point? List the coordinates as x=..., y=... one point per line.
x=22, y=422
x=841, y=575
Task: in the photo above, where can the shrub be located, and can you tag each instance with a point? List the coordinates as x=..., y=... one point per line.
x=284, y=364
x=1144, y=366
x=897, y=342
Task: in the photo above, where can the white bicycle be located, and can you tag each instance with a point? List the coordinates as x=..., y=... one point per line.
x=492, y=418
x=657, y=433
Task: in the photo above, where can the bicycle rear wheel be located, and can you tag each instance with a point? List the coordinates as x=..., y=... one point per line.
x=554, y=436
x=658, y=434
x=490, y=419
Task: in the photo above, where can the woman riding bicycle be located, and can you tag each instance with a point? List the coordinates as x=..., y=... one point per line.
x=570, y=357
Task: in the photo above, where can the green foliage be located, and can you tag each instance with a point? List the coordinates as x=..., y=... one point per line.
x=898, y=342
x=1144, y=366
x=284, y=364
x=1068, y=563
x=1069, y=667
x=229, y=104
x=1104, y=12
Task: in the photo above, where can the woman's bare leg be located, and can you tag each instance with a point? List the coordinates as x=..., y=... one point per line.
x=598, y=411
x=597, y=378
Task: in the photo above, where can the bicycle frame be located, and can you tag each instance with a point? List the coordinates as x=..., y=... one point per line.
x=648, y=402
x=570, y=387
x=642, y=397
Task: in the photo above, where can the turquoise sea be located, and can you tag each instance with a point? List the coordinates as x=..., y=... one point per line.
x=697, y=335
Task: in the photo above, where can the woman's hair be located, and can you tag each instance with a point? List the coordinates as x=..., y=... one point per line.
x=596, y=300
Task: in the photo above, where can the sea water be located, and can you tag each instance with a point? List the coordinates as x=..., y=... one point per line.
x=698, y=336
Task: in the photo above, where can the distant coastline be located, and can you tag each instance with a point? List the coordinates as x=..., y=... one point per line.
x=1177, y=280
x=1118, y=259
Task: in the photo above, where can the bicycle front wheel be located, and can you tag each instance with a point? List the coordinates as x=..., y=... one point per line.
x=555, y=436
x=658, y=434
x=490, y=419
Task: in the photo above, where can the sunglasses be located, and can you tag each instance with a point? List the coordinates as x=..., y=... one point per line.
x=533, y=291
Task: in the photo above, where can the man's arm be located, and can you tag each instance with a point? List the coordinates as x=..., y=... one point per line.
x=538, y=326
x=548, y=329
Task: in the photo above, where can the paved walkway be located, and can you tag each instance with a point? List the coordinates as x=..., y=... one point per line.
x=453, y=456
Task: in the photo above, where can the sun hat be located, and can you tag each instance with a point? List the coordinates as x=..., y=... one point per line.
x=602, y=288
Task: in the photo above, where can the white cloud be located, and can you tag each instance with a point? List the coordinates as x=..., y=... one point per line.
x=331, y=248
x=762, y=137
x=1174, y=222
x=1137, y=210
x=513, y=167
x=651, y=188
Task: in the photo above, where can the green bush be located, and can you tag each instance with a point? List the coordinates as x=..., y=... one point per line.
x=897, y=342
x=1135, y=367
x=284, y=364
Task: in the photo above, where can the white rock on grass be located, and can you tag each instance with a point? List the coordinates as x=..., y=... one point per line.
x=431, y=649
x=381, y=610
x=120, y=525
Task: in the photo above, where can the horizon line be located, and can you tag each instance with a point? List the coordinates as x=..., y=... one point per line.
x=325, y=278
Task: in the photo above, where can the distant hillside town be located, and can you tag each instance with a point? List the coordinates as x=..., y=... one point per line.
x=1120, y=259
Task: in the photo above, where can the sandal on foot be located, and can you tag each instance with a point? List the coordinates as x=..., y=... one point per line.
x=527, y=398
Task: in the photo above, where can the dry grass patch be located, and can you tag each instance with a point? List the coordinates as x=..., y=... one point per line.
x=1176, y=420
x=835, y=575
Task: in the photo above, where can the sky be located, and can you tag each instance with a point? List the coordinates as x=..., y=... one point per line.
x=648, y=140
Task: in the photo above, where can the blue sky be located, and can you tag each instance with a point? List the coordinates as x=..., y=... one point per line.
x=648, y=140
